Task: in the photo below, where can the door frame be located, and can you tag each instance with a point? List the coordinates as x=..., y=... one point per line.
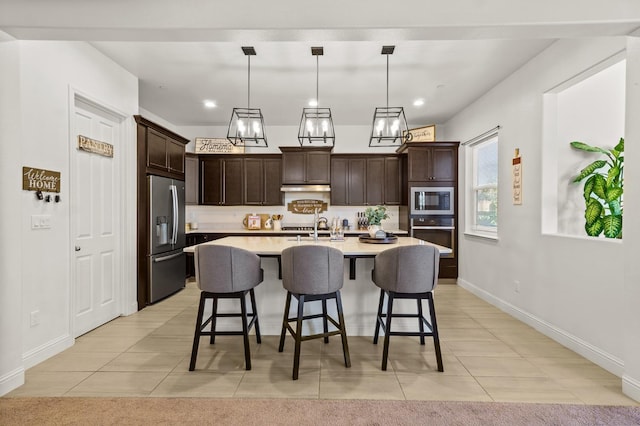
x=125, y=165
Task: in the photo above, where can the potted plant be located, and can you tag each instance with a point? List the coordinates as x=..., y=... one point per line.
x=374, y=216
x=603, y=190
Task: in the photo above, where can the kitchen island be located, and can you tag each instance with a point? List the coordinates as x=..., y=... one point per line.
x=359, y=294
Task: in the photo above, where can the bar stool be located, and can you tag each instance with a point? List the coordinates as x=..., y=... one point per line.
x=224, y=272
x=312, y=273
x=407, y=272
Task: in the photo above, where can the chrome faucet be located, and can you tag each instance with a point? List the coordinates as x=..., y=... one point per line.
x=315, y=224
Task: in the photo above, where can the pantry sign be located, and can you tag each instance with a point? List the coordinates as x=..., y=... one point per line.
x=40, y=180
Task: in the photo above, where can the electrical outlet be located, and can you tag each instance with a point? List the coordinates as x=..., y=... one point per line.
x=35, y=318
x=40, y=221
x=516, y=286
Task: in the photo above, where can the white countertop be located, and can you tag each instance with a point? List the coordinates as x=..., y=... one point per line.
x=271, y=231
x=351, y=246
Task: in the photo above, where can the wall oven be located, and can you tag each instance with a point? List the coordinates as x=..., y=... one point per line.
x=432, y=200
x=439, y=230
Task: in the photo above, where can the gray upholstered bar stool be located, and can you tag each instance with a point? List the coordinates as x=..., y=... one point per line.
x=312, y=273
x=224, y=272
x=407, y=272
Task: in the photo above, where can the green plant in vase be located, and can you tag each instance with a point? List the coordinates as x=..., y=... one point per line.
x=374, y=216
x=603, y=189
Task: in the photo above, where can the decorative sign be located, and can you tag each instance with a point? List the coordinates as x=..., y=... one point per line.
x=217, y=146
x=423, y=134
x=97, y=147
x=40, y=180
x=306, y=206
x=516, y=170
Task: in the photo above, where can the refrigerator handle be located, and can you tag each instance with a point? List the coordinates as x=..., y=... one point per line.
x=176, y=213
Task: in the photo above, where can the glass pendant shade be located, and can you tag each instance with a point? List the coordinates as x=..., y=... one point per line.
x=389, y=123
x=316, y=124
x=389, y=127
x=246, y=127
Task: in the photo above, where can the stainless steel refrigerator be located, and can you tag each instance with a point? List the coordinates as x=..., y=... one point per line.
x=166, y=260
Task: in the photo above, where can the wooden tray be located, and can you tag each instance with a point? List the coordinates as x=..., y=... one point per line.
x=389, y=239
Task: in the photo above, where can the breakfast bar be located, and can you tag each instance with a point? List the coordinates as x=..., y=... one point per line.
x=359, y=294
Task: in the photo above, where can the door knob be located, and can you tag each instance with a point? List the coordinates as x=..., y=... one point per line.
x=77, y=248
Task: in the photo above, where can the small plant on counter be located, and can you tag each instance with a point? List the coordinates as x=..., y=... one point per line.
x=603, y=190
x=376, y=214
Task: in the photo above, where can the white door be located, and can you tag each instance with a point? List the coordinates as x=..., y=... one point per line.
x=95, y=212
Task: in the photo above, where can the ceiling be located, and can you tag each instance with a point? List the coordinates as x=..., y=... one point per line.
x=446, y=55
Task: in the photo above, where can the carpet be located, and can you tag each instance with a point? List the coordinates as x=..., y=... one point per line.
x=208, y=411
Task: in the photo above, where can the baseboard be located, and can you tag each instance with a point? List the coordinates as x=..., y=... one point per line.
x=47, y=350
x=12, y=380
x=631, y=387
x=594, y=354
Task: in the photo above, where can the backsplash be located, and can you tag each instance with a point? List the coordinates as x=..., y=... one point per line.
x=230, y=217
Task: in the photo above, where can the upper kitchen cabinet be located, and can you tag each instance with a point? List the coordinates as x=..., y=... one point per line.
x=160, y=151
x=432, y=161
x=384, y=180
x=362, y=180
x=302, y=166
x=221, y=180
x=348, y=180
x=262, y=180
x=191, y=181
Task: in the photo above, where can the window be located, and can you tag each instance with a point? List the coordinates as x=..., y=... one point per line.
x=483, y=185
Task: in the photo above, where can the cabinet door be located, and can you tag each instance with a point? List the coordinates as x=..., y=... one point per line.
x=232, y=181
x=293, y=167
x=339, y=181
x=392, y=181
x=211, y=181
x=419, y=164
x=318, y=167
x=156, y=149
x=175, y=156
x=191, y=182
x=443, y=163
x=253, y=181
x=272, y=176
x=375, y=181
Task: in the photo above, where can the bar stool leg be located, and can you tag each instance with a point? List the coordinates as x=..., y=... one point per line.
x=255, y=315
x=285, y=321
x=387, y=331
x=325, y=322
x=245, y=331
x=343, y=331
x=434, y=330
x=298, y=337
x=420, y=320
x=196, y=335
x=214, y=317
x=378, y=318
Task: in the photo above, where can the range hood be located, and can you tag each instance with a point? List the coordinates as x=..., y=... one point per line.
x=305, y=188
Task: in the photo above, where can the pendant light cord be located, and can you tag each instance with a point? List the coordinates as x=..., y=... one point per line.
x=248, y=81
x=387, y=81
x=317, y=84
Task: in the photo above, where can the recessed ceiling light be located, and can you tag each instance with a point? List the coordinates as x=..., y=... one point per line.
x=418, y=102
x=313, y=103
x=210, y=104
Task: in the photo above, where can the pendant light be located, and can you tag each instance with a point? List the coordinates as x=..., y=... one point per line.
x=316, y=125
x=389, y=123
x=246, y=127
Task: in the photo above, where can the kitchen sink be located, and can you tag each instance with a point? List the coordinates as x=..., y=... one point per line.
x=309, y=239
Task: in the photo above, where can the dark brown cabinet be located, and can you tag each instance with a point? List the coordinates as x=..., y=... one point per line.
x=164, y=153
x=358, y=180
x=221, y=181
x=191, y=181
x=262, y=180
x=432, y=162
x=306, y=165
x=348, y=181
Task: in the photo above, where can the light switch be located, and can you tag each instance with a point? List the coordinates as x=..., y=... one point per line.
x=40, y=221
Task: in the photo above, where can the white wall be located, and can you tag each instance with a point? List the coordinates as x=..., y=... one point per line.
x=47, y=71
x=564, y=289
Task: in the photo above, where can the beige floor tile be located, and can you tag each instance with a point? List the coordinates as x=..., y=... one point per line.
x=199, y=384
x=545, y=349
x=76, y=361
x=278, y=383
x=466, y=334
x=143, y=361
x=570, y=368
x=446, y=322
x=118, y=384
x=500, y=367
x=90, y=343
x=173, y=344
x=426, y=362
x=598, y=391
x=49, y=383
x=438, y=387
x=124, y=330
x=527, y=389
x=493, y=348
x=353, y=384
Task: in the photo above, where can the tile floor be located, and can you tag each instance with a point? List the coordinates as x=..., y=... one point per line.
x=488, y=356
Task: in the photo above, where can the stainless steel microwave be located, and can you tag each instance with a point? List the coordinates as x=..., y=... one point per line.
x=426, y=200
